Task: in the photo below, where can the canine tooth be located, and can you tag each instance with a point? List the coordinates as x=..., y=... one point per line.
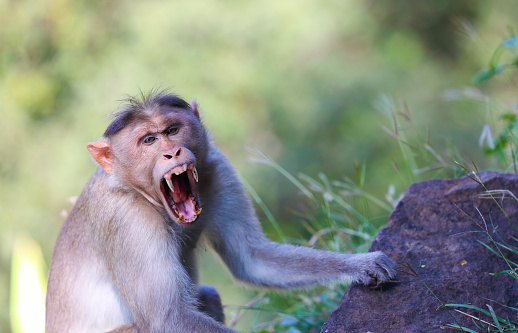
x=195, y=174
x=170, y=184
x=198, y=211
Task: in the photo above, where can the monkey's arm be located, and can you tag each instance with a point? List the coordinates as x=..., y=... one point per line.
x=256, y=260
x=236, y=235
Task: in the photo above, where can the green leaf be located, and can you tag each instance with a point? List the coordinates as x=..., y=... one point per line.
x=482, y=76
x=288, y=320
x=510, y=43
x=463, y=328
x=27, y=287
x=498, y=69
x=503, y=273
x=509, y=117
x=468, y=306
x=495, y=319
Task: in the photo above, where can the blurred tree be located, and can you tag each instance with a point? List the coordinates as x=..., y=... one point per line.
x=437, y=23
x=296, y=78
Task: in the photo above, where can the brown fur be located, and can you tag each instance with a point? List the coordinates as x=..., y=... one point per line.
x=123, y=263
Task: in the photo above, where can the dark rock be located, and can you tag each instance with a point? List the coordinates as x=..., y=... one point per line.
x=429, y=231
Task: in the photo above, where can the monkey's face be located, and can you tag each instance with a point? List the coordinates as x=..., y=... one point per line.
x=159, y=156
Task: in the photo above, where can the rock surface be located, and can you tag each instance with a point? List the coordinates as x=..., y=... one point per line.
x=428, y=231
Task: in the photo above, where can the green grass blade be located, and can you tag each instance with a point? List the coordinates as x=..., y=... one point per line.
x=495, y=319
x=262, y=158
x=468, y=306
x=263, y=207
x=490, y=249
x=462, y=328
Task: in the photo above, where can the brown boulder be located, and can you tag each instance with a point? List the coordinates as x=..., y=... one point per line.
x=429, y=231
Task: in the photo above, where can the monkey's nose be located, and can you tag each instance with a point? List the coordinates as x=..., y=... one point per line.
x=174, y=153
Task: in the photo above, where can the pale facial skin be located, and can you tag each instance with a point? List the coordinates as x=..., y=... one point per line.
x=167, y=143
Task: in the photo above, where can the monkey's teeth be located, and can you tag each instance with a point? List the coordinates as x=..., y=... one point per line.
x=198, y=211
x=180, y=169
x=170, y=184
x=195, y=174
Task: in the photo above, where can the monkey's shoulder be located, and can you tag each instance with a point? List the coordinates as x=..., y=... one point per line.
x=104, y=198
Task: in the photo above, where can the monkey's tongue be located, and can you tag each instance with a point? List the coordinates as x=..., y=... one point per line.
x=186, y=209
x=184, y=203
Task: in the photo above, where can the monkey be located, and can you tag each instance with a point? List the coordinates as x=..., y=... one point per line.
x=125, y=257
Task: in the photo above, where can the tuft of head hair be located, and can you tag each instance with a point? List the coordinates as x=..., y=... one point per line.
x=137, y=107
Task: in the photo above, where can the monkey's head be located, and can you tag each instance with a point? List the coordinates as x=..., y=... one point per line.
x=155, y=146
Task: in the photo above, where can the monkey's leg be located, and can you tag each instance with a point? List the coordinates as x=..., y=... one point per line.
x=210, y=303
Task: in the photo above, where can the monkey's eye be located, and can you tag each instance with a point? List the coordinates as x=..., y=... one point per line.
x=172, y=130
x=149, y=140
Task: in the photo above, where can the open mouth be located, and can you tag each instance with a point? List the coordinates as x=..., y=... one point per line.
x=178, y=188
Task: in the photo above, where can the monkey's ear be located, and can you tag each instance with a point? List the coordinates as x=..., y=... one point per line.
x=194, y=107
x=101, y=152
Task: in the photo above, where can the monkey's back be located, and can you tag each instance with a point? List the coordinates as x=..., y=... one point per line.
x=93, y=304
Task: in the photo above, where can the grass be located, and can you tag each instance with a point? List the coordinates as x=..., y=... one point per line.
x=336, y=221
x=487, y=320
x=342, y=216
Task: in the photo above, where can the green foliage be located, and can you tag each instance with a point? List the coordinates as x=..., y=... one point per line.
x=28, y=285
x=496, y=323
x=338, y=219
x=295, y=78
x=500, y=246
x=504, y=56
x=339, y=216
x=505, y=145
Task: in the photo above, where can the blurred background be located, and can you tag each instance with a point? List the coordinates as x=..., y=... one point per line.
x=308, y=83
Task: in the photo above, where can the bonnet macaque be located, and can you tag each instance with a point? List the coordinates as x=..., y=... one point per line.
x=125, y=259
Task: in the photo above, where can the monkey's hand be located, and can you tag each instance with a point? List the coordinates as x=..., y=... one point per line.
x=371, y=269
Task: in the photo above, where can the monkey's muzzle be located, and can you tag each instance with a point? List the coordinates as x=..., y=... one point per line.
x=178, y=188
